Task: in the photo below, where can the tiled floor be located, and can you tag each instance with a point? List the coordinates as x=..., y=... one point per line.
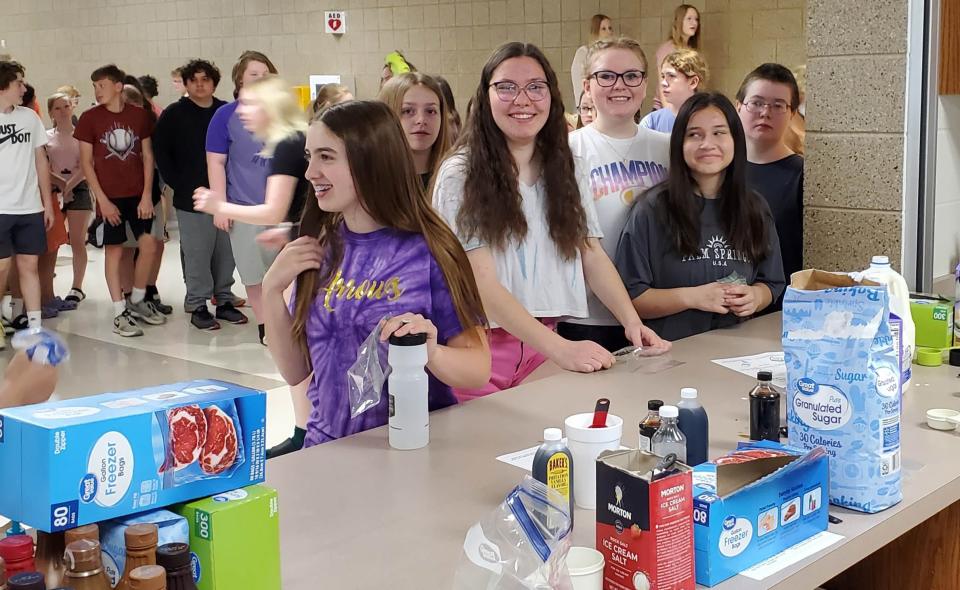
x=101, y=361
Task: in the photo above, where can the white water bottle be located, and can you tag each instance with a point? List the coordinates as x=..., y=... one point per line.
x=409, y=390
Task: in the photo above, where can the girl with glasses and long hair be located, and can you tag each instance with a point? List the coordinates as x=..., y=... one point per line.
x=684, y=34
x=528, y=222
x=621, y=161
x=700, y=251
x=370, y=246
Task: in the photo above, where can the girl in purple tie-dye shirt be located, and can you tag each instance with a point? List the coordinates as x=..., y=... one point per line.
x=371, y=246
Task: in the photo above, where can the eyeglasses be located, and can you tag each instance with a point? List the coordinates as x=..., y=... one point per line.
x=606, y=78
x=756, y=106
x=509, y=91
x=586, y=110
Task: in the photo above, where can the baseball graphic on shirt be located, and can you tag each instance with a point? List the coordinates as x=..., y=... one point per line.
x=120, y=142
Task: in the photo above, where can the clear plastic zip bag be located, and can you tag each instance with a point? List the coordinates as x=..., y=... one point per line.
x=522, y=545
x=367, y=374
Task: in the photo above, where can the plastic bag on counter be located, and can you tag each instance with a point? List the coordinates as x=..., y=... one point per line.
x=366, y=375
x=522, y=544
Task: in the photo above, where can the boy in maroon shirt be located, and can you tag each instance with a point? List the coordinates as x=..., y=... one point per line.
x=117, y=159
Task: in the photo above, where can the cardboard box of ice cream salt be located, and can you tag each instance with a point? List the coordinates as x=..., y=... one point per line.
x=644, y=522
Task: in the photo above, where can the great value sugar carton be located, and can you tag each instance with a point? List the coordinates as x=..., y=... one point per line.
x=644, y=522
x=753, y=504
x=75, y=462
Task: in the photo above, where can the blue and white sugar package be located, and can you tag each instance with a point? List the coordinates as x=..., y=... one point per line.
x=171, y=528
x=843, y=385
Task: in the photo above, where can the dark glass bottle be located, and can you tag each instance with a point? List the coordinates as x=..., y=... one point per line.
x=175, y=558
x=765, y=409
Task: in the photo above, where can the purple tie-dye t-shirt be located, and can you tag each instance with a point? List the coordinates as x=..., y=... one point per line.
x=384, y=273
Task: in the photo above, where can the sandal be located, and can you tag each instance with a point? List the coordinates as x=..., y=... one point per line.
x=64, y=304
x=75, y=295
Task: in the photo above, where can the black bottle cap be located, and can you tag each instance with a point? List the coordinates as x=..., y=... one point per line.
x=654, y=404
x=955, y=357
x=764, y=376
x=408, y=340
x=27, y=581
x=173, y=556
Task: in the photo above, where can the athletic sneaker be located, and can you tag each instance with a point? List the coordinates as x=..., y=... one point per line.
x=228, y=313
x=144, y=311
x=203, y=319
x=125, y=325
x=76, y=295
x=237, y=302
x=158, y=305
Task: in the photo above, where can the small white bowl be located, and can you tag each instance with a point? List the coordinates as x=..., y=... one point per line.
x=943, y=419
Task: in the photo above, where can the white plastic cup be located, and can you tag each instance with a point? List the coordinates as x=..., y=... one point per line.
x=585, y=566
x=585, y=445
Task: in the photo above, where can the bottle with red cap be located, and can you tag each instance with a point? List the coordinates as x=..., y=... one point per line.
x=17, y=552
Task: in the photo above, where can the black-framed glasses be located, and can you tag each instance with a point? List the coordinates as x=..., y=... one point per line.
x=756, y=106
x=607, y=78
x=586, y=110
x=509, y=91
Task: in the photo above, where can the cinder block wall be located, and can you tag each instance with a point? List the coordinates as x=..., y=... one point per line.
x=62, y=41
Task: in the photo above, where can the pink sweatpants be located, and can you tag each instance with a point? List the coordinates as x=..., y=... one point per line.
x=512, y=361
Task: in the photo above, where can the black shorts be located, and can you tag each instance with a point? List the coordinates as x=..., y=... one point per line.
x=82, y=199
x=22, y=234
x=116, y=235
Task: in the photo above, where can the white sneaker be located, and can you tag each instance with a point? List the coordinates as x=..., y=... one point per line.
x=144, y=311
x=125, y=326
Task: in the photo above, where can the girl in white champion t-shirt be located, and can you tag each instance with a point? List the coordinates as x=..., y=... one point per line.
x=528, y=223
x=621, y=161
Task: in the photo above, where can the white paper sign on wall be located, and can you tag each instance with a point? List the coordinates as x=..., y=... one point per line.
x=335, y=22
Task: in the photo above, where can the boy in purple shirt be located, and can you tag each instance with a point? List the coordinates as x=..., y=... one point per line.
x=388, y=253
x=236, y=169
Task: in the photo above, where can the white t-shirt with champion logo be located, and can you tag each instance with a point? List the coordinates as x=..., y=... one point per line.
x=619, y=171
x=21, y=133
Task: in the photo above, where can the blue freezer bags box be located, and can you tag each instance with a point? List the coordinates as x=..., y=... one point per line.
x=754, y=503
x=843, y=385
x=75, y=462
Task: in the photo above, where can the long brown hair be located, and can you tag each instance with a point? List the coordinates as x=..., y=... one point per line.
x=676, y=33
x=389, y=190
x=492, y=206
x=392, y=95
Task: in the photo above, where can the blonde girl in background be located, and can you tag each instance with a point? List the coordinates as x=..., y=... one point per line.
x=417, y=100
x=685, y=34
x=601, y=27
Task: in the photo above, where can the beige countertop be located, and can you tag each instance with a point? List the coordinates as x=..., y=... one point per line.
x=357, y=514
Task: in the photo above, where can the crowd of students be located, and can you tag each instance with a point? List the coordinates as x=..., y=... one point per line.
x=510, y=237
